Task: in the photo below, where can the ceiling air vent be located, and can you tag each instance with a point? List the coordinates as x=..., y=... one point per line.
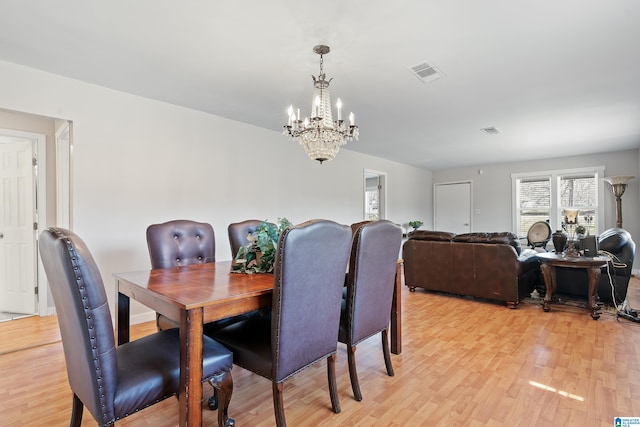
x=491, y=131
x=426, y=72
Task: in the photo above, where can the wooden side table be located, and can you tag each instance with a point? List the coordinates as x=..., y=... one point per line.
x=592, y=264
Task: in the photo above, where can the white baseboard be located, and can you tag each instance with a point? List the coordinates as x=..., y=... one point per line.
x=143, y=317
x=635, y=272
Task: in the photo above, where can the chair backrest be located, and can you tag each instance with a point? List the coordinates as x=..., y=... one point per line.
x=356, y=225
x=310, y=265
x=181, y=242
x=85, y=322
x=371, y=278
x=619, y=243
x=238, y=232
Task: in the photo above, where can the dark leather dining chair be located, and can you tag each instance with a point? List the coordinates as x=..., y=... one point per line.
x=356, y=225
x=366, y=310
x=303, y=328
x=114, y=382
x=178, y=243
x=238, y=232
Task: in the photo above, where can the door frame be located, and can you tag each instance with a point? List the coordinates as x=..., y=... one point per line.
x=39, y=142
x=63, y=145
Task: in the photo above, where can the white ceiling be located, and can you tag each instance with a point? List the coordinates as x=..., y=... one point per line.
x=557, y=78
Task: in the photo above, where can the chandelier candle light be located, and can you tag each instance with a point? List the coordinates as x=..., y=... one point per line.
x=320, y=135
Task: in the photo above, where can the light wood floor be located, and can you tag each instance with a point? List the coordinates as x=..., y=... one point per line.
x=464, y=363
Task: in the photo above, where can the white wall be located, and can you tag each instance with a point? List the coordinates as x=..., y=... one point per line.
x=138, y=161
x=492, y=189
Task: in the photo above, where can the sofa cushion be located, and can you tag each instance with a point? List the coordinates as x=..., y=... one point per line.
x=507, y=238
x=503, y=237
x=472, y=238
x=434, y=236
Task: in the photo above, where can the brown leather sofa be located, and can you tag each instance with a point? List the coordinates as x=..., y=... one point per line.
x=482, y=265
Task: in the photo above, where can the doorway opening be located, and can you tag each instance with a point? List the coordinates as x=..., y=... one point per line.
x=28, y=179
x=375, y=190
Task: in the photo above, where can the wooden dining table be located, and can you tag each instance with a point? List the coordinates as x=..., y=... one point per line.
x=198, y=294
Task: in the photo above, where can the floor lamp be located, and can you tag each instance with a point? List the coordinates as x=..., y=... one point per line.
x=618, y=185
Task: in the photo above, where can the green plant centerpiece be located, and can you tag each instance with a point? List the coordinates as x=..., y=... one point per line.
x=415, y=225
x=258, y=255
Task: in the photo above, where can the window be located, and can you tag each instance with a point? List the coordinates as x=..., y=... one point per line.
x=581, y=192
x=542, y=196
x=534, y=202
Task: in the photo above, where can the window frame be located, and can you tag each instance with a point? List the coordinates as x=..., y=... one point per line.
x=555, y=217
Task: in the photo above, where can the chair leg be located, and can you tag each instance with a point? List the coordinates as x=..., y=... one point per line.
x=387, y=354
x=353, y=373
x=212, y=403
x=222, y=391
x=76, y=412
x=278, y=404
x=333, y=386
x=158, y=328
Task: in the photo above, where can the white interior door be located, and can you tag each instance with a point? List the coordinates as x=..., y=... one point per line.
x=452, y=207
x=17, y=243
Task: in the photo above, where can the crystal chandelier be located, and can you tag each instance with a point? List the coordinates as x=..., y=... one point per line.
x=320, y=135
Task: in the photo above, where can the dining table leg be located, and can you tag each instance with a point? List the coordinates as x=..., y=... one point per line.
x=122, y=318
x=190, y=396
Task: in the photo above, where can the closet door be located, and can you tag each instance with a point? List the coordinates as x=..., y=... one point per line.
x=452, y=207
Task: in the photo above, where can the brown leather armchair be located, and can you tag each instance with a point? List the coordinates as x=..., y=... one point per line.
x=366, y=310
x=303, y=329
x=114, y=382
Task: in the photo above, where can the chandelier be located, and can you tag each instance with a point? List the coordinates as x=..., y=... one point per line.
x=320, y=135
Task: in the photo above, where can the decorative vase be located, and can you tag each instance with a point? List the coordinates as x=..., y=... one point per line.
x=559, y=239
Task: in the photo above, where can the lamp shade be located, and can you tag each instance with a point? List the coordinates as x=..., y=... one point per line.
x=613, y=180
x=571, y=216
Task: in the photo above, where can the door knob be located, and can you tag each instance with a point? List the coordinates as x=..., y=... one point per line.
x=1, y=235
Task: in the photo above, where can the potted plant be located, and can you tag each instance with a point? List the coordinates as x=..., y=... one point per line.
x=258, y=255
x=415, y=225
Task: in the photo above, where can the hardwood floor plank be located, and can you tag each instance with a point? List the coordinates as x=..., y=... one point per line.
x=464, y=363
x=28, y=332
